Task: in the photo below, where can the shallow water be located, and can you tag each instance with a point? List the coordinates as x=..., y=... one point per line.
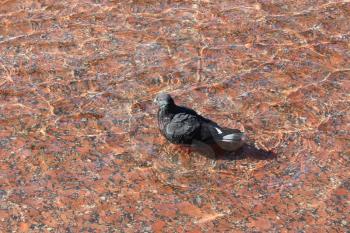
x=80, y=149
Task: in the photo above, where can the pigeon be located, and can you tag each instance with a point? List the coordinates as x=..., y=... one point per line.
x=184, y=126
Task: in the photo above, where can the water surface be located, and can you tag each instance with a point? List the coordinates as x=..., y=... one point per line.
x=80, y=150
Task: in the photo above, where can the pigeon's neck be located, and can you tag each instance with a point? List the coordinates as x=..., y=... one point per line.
x=168, y=108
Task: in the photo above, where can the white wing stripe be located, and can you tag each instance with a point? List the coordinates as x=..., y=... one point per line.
x=219, y=131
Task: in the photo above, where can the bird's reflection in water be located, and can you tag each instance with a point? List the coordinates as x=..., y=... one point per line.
x=181, y=165
x=247, y=151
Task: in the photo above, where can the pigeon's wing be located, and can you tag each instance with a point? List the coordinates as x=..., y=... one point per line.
x=187, y=110
x=182, y=127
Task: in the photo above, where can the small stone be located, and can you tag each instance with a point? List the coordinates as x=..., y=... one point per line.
x=158, y=226
x=2, y=194
x=198, y=200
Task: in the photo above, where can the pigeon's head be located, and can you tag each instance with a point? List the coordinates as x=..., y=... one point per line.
x=163, y=99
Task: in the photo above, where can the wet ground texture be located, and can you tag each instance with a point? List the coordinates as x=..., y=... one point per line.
x=79, y=147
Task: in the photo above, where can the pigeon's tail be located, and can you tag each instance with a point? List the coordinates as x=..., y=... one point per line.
x=227, y=139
